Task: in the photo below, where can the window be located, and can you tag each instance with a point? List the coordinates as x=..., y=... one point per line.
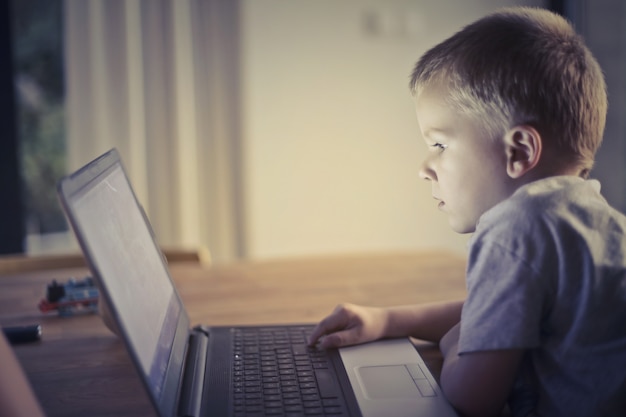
x=39, y=88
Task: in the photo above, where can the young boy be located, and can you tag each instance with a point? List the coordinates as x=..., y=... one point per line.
x=512, y=109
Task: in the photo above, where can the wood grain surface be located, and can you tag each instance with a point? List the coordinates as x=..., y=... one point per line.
x=80, y=368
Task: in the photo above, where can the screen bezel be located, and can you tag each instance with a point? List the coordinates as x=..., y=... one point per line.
x=71, y=187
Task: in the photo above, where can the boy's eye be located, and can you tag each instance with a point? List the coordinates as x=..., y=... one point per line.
x=439, y=146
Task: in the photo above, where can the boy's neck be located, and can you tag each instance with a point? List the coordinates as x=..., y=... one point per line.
x=553, y=164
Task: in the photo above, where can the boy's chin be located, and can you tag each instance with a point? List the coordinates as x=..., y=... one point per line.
x=461, y=227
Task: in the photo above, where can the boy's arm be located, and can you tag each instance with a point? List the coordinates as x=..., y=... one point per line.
x=477, y=383
x=350, y=324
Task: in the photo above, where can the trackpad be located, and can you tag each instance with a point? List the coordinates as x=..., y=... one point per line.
x=389, y=381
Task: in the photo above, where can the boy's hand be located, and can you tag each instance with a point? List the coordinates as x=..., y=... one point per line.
x=349, y=324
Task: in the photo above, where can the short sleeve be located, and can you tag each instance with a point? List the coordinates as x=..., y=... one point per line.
x=505, y=303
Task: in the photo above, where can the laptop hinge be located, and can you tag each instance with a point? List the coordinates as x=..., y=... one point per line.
x=190, y=400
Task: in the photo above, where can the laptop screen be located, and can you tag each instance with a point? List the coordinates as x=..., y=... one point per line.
x=112, y=228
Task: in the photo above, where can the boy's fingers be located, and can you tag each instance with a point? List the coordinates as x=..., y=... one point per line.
x=328, y=325
x=315, y=335
x=320, y=330
x=339, y=339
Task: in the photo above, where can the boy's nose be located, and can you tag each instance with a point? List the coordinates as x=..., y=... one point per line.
x=426, y=172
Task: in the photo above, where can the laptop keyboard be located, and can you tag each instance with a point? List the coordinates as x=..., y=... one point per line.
x=276, y=374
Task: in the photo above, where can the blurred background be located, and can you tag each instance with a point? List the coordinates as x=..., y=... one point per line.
x=256, y=128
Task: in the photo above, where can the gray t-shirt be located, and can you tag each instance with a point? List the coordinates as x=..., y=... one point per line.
x=547, y=273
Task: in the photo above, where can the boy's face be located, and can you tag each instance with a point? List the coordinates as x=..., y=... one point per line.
x=466, y=168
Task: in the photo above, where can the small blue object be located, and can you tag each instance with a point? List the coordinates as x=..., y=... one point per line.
x=74, y=294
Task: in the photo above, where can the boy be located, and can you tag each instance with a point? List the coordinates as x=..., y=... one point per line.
x=512, y=109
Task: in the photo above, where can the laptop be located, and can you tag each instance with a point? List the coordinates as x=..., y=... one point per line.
x=204, y=370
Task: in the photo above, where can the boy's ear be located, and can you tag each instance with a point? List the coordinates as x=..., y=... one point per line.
x=523, y=150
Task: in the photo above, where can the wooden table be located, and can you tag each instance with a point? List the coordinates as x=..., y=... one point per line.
x=80, y=368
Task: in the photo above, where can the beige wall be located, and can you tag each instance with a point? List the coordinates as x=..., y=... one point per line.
x=332, y=148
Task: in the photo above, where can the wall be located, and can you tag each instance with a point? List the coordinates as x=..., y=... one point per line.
x=332, y=147
x=603, y=24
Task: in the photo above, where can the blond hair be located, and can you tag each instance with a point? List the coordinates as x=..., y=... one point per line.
x=523, y=66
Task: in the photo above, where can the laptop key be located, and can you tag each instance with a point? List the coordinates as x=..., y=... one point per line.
x=326, y=383
x=300, y=349
x=333, y=410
